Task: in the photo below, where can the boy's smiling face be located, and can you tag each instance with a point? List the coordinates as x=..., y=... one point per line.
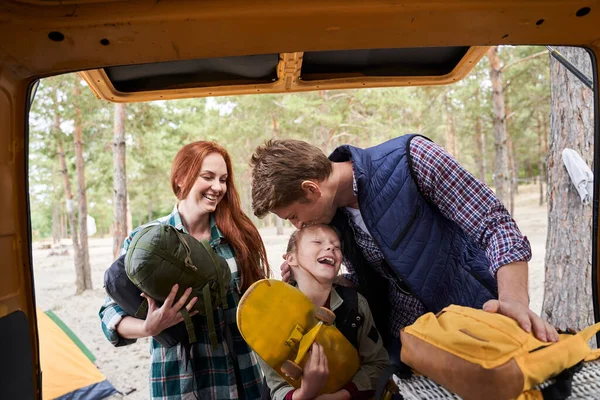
x=318, y=253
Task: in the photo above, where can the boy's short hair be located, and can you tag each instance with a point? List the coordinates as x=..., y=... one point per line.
x=297, y=234
x=278, y=169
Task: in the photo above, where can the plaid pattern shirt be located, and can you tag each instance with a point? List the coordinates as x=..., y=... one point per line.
x=406, y=308
x=461, y=198
x=170, y=378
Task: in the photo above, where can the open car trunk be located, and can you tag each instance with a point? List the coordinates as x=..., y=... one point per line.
x=142, y=50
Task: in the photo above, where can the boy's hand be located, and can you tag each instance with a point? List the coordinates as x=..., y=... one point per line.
x=339, y=395
x=316, y=371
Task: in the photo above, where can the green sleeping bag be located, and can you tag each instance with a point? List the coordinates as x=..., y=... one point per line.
x=160, y=256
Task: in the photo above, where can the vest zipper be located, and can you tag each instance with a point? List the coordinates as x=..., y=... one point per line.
x=398, y=280
x=404, y=232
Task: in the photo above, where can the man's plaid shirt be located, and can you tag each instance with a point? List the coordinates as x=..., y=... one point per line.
x=169, y=377
x=461, y=198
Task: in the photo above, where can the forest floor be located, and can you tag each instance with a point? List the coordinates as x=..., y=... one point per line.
x=128, y=367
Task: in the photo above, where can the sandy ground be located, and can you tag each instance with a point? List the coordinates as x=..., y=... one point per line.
x=128, y=367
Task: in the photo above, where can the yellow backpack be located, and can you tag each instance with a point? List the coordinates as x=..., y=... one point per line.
x=481, y=355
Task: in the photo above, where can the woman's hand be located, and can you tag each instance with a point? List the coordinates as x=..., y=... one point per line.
x=161, y=318
x=316, y=371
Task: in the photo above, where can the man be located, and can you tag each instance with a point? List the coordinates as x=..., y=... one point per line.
x=419, y=231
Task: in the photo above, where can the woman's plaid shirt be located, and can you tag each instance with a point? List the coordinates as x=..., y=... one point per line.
x=169, y=377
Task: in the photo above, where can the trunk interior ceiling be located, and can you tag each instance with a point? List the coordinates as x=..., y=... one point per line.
x=289, y=72
x=316, y=65
x=192, y=73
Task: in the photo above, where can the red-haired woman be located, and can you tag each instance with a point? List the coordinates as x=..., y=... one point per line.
x=208, y=208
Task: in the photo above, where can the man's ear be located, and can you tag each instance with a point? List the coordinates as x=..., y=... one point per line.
x=311, y=189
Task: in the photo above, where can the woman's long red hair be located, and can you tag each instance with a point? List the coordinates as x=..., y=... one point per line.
x=239, y=231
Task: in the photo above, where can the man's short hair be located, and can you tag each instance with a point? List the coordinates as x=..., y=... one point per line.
x=278, y=169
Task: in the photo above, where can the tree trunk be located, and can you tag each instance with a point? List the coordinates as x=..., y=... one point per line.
x=541, y=156
x=568, y=291
x=501, y=172
x=480, y=141
x=85, y=272
x=545, y=138
x=511, y=165
x=119, y=180
x=129, y=216
x=63, y=225
x=56, y=228
x=512, y=158
x=79, y=280
x=511, y=161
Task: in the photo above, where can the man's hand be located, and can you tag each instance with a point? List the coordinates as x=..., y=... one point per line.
x=316, y=371
x=513, y=301
x=161, y=318
x=286, y=271
x=525, y=317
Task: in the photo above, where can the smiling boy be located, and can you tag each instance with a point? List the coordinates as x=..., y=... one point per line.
x=315, y=257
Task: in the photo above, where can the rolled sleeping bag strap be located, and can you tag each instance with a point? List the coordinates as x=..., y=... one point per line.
x=188, y=252
x=222, y=286
x=212, y=333
x=189, y=325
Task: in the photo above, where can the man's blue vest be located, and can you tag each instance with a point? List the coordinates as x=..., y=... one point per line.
x=429, y=253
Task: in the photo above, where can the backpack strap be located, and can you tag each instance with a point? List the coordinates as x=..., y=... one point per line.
x=210, y=321
x=347, y=318
x=189, y=325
